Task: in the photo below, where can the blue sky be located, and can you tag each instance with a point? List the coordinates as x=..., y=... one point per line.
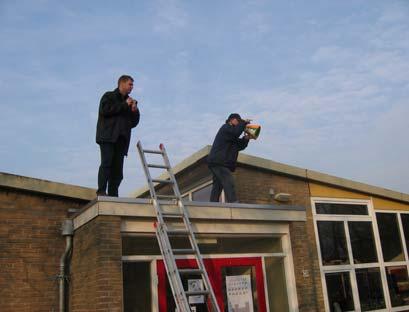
x=327, y=80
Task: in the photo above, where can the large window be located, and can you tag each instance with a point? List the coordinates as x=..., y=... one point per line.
x=349, y=262
x=363, y=256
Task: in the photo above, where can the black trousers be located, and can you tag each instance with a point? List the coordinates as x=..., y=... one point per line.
x=222, y=180
x=110, y=171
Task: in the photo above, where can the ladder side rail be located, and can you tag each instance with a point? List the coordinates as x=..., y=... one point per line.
x=146, y=170
x=199, y=260
x=174, y=278
x=152, y=190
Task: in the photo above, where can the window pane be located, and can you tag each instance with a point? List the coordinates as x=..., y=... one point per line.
x=370, y=289
x=398, y=284
x=203, y=194
x=390, y=237
x=405, y=225
x=137, y=286
x=276, y=284
x=332, y=242
x=341, y=209
x=362, y=241
x=339, y=291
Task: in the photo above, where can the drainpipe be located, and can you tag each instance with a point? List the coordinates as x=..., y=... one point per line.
x=67, y=232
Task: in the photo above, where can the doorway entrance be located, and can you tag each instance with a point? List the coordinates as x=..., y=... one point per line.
x=238, y=284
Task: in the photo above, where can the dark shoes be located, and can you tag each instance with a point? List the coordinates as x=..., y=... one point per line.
x=105, y=194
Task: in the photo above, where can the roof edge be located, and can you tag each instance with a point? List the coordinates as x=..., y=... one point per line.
x=29, y=184
x=324, y=178
x=306, y=174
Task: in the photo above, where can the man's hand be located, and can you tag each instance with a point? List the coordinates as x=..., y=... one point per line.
x=131, y=102
x=134, y=108
x=247, y=121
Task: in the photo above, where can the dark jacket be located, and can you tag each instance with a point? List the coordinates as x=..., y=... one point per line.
x=115, y=119
x=226, y=146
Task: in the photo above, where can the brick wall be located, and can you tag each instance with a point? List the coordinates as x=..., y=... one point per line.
x=96, y=266
x=30, y=248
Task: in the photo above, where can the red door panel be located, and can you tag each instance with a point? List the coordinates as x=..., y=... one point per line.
x=215, y=268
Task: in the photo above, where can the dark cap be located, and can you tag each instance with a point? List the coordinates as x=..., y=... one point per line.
x=234, y=116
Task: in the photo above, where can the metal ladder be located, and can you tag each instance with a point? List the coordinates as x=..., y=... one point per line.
x=163, y=232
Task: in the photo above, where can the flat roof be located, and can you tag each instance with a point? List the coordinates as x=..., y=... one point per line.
x=280, y=168
x=29, y=184
x=143, y=208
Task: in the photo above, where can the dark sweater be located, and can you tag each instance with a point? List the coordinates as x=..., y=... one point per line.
x=115, y=119
x=226, y=146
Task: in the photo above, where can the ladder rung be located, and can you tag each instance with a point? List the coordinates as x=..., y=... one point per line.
x=174, y=232
x=167, y=196
x=184, y=251
x=162, y=181
x=190, y=271
x=157, y=166
x=172, y=215
x=197, y=293
x=152, y=152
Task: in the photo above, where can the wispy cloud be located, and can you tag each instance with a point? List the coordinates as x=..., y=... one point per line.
x=170, y=17
x=327, y=82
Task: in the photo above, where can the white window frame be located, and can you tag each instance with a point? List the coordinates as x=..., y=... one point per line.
x=189, y=193
x=351, y=267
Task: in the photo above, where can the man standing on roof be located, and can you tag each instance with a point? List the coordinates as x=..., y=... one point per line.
x=222, y=158
x=118, y=114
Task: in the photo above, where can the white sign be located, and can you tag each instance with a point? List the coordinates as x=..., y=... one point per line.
x=195, y=285
x=239, y=294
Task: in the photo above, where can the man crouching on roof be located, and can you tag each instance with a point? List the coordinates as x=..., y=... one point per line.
x=222, y=159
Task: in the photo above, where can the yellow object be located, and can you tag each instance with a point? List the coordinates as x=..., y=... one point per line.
x=320, y=190
x=253, y=131
x=384, y=204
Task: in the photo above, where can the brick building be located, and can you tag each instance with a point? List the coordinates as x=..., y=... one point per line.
x=31, y=244
x=305, y=240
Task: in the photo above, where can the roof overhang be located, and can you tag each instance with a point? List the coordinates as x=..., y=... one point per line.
x=17, y=182
x=143, y=209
